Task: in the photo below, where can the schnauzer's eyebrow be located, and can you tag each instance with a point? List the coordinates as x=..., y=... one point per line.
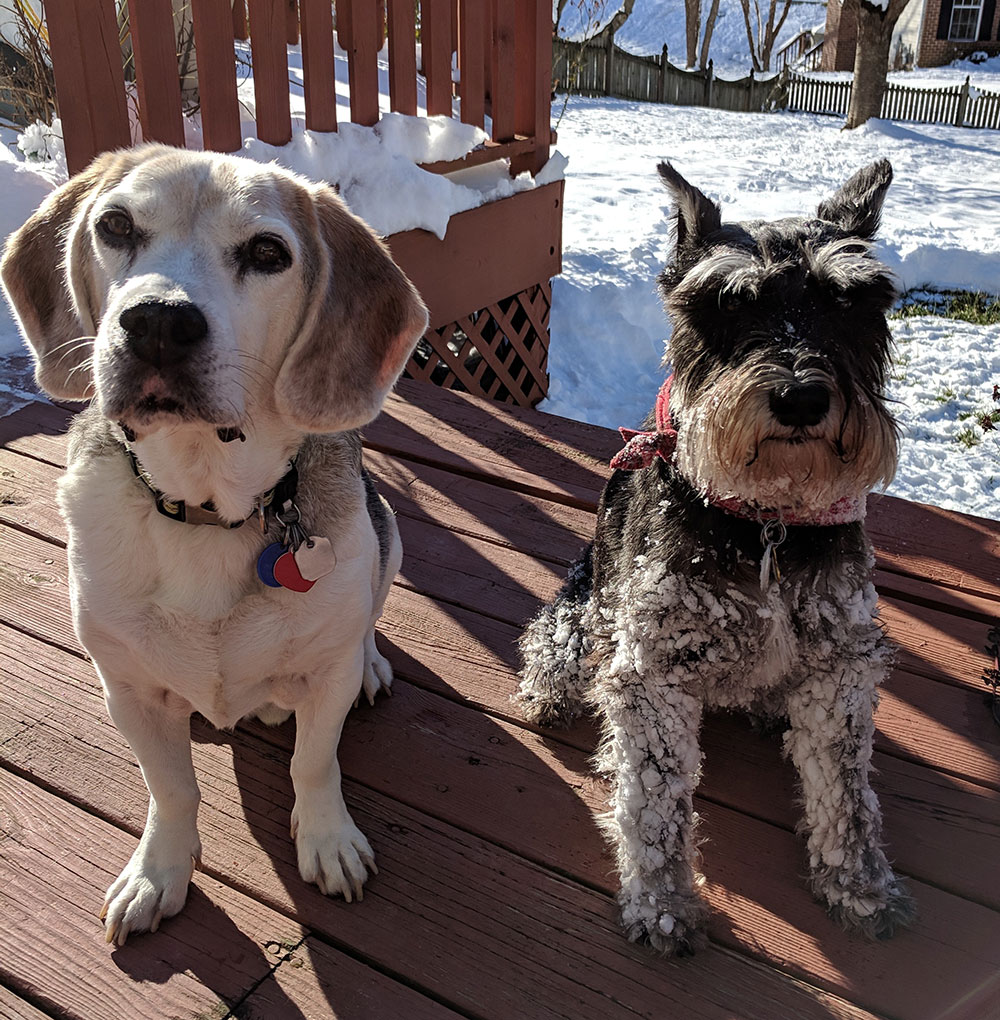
x=730, y=271
x=844, y=264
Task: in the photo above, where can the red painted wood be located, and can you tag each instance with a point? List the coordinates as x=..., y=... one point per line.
x=14, y=1008
x=318, y=65
x=435, y=38
x=270, y=77
x=526, y=246
x=362, y=62
x=222, y=946
x=402, y=57
x=240, y=30
x=472, y=33
x=154, y=50
x=90, y=84
x=534, y=82
x=344, y=10
x=922, y=723
x=220, y=111
x=551, y=927
x=292, y=22
x=453, y=763
x=504, y=70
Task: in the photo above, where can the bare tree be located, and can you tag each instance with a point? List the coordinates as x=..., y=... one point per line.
x=616, y=22
x=713, y=13
x=761, y=33
x=692, y=26
x=876, y=20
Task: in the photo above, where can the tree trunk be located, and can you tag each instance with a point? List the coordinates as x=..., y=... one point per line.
x=771, y=33
x=745, y=5
x=713, y=13
x=871, y=59
x=692, y=25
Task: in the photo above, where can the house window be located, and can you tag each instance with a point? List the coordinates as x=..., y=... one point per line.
x=965, y=15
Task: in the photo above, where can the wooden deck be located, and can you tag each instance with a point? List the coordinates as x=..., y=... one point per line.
x=493, y=899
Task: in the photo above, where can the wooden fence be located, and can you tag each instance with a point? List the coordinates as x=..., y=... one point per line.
x=961, y=105
x=603, y=69
x=489, y=301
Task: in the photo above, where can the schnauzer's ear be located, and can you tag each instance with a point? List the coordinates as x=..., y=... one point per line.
x=697, y=215
x=857, y=207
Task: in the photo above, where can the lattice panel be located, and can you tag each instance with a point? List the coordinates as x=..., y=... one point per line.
x=501, y=351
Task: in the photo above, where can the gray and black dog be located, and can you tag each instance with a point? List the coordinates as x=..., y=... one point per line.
x=730, y=567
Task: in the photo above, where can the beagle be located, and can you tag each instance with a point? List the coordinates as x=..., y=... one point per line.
x=232, y=325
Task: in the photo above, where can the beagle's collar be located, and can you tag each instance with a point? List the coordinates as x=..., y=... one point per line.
x=641, y=448
x=266, y=505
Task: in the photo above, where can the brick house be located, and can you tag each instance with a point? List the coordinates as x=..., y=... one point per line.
x=929, y=33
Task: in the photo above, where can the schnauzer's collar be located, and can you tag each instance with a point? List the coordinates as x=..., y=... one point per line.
x=264, y=506
x=642, y=448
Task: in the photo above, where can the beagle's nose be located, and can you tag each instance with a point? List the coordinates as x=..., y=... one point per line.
x=799, y=405
x=163, y=334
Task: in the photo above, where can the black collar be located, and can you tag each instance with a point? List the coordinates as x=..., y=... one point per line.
x=266, y=505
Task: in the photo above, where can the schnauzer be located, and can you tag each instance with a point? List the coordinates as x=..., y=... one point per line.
x=730, y=567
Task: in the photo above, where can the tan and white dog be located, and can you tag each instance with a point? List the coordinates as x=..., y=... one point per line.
x=234, y=324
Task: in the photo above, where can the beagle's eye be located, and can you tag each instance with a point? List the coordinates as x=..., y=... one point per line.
x=264, y=254
x=116, y=228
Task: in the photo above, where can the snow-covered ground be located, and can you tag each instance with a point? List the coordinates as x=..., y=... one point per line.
x=939, y=229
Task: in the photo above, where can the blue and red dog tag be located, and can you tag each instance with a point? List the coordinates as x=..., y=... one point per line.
x=297, y=562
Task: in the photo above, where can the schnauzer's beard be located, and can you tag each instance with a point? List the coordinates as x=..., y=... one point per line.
x=731, y=445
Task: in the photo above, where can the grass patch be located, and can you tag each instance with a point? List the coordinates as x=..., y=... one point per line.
x=973, y=306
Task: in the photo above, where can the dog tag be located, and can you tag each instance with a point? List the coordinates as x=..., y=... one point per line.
x=286, y=573
x=266, y=562
x=315, y=558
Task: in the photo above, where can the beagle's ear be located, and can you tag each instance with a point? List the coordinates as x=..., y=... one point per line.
x=48, y=277
x=366, y=317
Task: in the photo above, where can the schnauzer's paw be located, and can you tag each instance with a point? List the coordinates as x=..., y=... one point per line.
x=377, y=675
x=878, y=916
x=674, y=930
x=338, y=859
x=152, y=886
x=271, y=715
x=555, y=709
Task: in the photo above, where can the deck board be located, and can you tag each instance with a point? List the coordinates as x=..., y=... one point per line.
x=494, y=897
x=13, y=1007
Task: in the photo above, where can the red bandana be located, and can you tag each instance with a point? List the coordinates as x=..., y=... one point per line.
x=641, y=447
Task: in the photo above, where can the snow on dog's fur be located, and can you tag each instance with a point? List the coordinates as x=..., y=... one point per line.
x=198, y=298
x=733, y=570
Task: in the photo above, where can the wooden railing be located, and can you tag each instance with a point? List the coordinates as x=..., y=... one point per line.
x=504, y=61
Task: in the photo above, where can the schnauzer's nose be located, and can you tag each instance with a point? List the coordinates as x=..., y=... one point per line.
x=799, y=405
x=162, y=334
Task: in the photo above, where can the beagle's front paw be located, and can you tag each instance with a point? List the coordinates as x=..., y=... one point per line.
x=152, y=886
x=337, y=858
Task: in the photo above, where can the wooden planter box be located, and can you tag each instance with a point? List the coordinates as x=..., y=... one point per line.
x=505, y=253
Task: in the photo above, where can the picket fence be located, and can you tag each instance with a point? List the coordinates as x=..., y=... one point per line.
x=604, y=69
